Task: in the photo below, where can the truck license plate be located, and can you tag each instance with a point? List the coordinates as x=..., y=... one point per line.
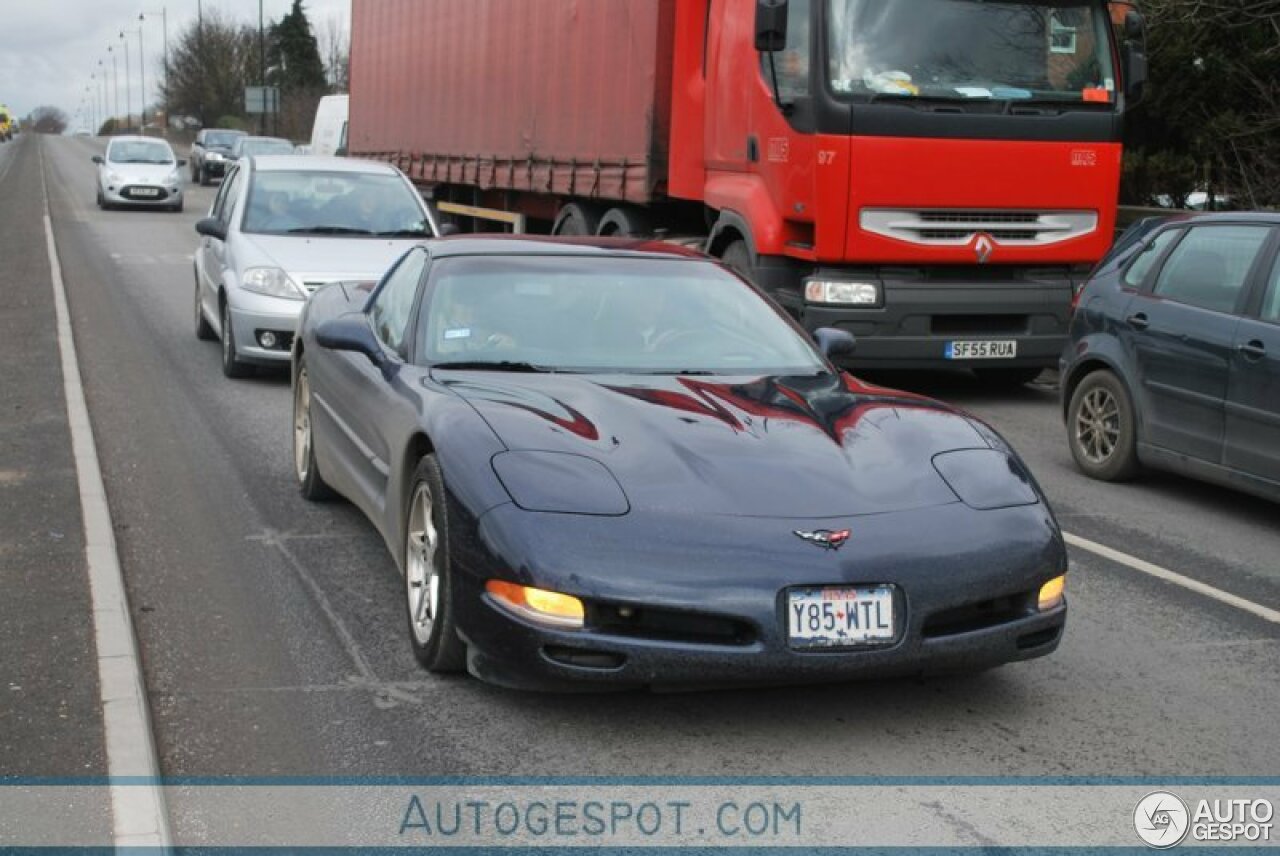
x=982, y=350
x=835, y=617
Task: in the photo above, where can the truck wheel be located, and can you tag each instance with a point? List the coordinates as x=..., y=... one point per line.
x=577, y=219
x=1101, y=428
x=738, y=257
x=625, y=223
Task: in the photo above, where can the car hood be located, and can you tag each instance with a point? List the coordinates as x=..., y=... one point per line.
x=327, y=258
x=141, y=173
x=817, y=447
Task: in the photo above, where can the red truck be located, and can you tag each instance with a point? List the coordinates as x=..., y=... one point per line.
x=935, y=176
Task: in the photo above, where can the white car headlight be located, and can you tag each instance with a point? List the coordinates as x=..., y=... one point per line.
x=213, y=156
x=273, y=282
x=114, y=178
x=844, y=293
x=173, y=178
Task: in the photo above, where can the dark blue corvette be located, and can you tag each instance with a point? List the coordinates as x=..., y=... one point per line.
x=615, y=463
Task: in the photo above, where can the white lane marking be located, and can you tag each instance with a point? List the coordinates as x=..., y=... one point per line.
x=1257, y=609
x=138, y=812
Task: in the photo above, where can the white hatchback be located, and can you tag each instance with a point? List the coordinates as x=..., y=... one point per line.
x=139, y=172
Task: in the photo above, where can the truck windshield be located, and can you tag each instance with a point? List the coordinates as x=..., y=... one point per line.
x=968, y=49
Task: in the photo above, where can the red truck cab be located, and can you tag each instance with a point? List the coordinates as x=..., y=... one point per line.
x=934, y=176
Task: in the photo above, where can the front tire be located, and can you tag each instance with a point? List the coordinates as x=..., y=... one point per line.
x=232, y=367
x=428, y=573
x=312, y=485
x=205, y=179
x=204, y=330
x=1101, y=428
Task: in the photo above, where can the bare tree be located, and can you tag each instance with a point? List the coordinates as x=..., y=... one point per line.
x=335, y=50
x=48, y=120
x=209, y=66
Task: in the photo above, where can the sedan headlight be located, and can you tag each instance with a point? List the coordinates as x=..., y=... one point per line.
x=115, y=178
x=173, y=178
x=272, y=282
x=213, y=156
x=844, y=293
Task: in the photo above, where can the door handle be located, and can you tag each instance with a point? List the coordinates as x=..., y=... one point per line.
x=1139, y=321
x=1253, y=351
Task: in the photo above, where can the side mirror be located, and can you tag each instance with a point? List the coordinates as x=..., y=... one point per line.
x=771, y=25
x=212, y=227
x=835, y=343
x=98, y=159
x=1134, y=55
x=351, y=333
x=447, y=229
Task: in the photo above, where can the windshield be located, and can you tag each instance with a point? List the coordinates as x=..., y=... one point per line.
x=222, y=138
x=266, y=147
x=959, y=49
x=139, y=152
x=333, y=203
x=610, y=315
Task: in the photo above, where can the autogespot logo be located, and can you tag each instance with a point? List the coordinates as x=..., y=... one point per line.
x=1161, y=820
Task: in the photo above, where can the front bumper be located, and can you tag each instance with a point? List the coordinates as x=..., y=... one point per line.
x=215, y=168
x=963, y=606
x=265, y=314
x=127, y=194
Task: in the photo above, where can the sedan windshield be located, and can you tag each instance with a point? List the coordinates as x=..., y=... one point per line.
x=297, y=202
x=965, y=49
x=222, y=138
x=610, y=315
x=140, y=152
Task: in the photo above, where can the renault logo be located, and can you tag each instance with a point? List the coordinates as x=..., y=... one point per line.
x=983, y=247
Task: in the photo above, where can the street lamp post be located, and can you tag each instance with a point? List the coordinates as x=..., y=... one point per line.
x=115, y=76
x=164, y=22
x=142, y=76
x=128, y=103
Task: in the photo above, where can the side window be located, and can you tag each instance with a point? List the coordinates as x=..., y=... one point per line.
x=1141, y=265
x=794, y=61
x=1271, y=303
x=229, y=195
x=391, y=308
x=1209, y=268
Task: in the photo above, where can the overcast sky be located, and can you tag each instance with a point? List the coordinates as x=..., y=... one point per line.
x=51, y=47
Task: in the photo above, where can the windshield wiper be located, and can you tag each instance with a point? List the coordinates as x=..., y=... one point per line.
x=407, y=233
x=329, y=230
x=494, y=366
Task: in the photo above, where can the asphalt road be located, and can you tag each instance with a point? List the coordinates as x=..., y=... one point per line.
x=272, y=630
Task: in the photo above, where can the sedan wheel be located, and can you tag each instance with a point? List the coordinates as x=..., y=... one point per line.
x=312, y=485
x=426, y=572
x=1101, y=429
x=232, y=367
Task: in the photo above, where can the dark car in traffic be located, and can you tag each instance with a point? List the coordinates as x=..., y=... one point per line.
x=1174, y=358
x=211, y=152
x=616, y=463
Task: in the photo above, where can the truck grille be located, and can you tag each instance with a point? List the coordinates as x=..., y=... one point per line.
x=947, y=227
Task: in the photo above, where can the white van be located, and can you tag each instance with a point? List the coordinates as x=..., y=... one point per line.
x=329, y=134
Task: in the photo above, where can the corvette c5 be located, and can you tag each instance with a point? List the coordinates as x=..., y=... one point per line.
x=615, y=463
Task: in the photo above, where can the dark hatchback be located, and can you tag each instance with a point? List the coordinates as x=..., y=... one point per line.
x=1174, y=357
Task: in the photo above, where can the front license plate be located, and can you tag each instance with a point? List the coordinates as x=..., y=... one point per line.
x=144, y=191
x=982, y=350
x=834, y=617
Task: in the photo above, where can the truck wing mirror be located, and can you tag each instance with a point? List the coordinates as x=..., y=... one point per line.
x=1134, y=55
x=771, y=25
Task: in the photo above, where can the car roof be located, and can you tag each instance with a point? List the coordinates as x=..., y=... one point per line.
x=531, y=245
x=1262, y=217
x=313, y=163
x=263, y=139
x=137, y=138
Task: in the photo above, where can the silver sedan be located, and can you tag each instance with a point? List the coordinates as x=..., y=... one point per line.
x=282, y=227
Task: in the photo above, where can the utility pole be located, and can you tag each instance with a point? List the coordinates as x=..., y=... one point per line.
x=115, y=76
x=262, y=67
x=204, y=120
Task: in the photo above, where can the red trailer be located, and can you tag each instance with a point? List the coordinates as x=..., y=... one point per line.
x=935, y=176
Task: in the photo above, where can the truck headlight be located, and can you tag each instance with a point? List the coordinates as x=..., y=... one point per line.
x=843, y=293
x=273, y=282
